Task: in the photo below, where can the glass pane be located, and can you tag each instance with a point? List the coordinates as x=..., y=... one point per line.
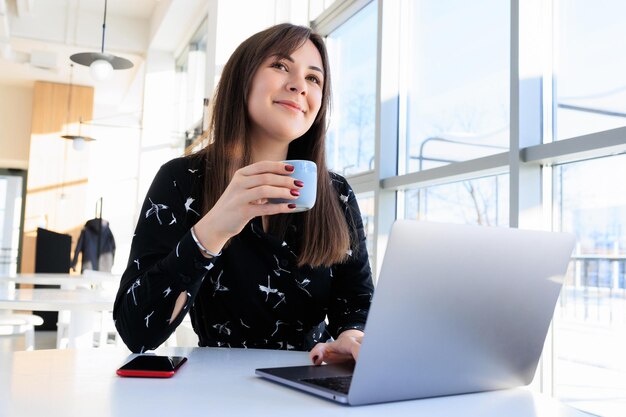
x=589, y=322
x=458, y=81
x=483, y=201
x=591, y=85
x=352, y=53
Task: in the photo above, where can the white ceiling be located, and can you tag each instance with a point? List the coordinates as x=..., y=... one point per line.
x=139, y=9
x=38, y=36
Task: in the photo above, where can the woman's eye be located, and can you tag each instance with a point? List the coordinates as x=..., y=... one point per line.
x=279, y=65
x=314, y=79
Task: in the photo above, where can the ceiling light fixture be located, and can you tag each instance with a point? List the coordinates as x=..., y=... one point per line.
x=101, y=64
x=78, y=141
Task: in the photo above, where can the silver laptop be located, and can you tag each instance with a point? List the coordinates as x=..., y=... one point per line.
x=457, y=309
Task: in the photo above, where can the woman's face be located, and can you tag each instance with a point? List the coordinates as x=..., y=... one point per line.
x=286, y=95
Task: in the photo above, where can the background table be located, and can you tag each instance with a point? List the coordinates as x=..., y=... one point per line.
x=55, y=299
x=214, y=382
x=92, y=278
x=83, y=306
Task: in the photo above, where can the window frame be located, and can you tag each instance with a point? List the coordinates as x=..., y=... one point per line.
x=532, y=148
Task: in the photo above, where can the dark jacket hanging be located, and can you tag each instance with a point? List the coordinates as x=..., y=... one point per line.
x=88, y=245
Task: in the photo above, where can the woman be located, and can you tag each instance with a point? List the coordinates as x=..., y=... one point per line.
x=250, y=273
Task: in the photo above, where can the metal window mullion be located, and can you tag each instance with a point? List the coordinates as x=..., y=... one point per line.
x=387, y=73
x=514, y=115
x=336, y=15
x=528, y=20
x=363, y=182
x=593, y=145
x=526, y=112
x=458, y=171
x=405, y=52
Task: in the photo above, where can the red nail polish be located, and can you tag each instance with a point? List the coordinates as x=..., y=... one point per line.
x=315, y=358
x=295, y=192
x=289, y=168
x=291, y=206
x=298, y=183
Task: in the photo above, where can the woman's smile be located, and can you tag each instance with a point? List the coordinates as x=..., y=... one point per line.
x=291, y=105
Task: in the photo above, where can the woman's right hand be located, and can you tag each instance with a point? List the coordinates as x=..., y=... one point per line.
x=246, y=197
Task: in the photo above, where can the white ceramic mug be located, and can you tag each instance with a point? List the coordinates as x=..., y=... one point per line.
x=305, y=171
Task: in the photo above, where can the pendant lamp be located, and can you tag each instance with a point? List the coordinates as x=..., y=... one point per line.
x=78, y=141
x=101, y=64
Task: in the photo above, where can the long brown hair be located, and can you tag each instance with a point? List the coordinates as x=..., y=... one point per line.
x=325, y=235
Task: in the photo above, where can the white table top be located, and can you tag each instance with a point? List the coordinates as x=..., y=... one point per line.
x=213, y=382
x=50, y=299
x=97, y=278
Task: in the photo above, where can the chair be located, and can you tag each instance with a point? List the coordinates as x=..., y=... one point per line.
x=52, y=254
x=15, y=323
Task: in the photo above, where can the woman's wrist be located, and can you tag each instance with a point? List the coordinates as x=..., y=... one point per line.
x=351, y=333
x=205, y=252
x=209, y=243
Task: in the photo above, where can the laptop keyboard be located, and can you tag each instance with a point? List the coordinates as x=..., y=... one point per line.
x=335, y=383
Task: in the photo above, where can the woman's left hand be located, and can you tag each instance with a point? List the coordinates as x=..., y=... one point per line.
x=344, y=349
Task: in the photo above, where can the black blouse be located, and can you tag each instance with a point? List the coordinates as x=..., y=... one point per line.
x=253, y=295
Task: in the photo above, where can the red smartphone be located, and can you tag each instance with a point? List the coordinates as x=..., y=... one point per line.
x=152, y=366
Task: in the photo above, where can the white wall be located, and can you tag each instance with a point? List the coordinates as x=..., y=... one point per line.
x=113, y=167
x=128, y=159
x=16, y=104
x=160, y=141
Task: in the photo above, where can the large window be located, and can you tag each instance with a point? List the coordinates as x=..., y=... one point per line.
x=590, y=201
x=591, y=63
x=498, y=113
x=457, y=59
x=352, y=51
x=481, y=201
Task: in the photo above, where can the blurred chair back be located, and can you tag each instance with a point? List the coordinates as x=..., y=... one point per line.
x=52, y=255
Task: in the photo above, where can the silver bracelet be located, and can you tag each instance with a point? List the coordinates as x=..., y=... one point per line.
x=202, y=248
